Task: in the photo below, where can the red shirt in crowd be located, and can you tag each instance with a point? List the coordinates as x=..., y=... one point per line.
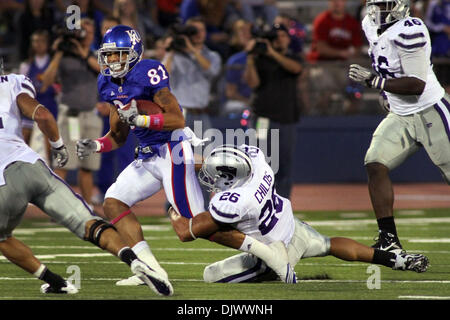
x=339, y=34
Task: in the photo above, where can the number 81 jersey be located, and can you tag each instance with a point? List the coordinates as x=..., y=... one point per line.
x=255, y=208
x=141, y=83
x=405, y=37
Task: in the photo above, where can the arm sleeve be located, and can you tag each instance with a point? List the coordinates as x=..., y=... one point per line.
x=24, y=85
x=415, y=64
x=224, y=211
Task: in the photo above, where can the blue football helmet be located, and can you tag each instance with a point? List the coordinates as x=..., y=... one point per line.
x=120, y=39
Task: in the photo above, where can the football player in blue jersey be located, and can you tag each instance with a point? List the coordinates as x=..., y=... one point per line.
x=165, y=158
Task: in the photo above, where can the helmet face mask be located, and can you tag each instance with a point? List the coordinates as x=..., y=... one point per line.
x=225, y=168
x=384, y=12
x=126, y=43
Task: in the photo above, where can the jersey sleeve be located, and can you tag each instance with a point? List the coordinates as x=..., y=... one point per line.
x=153, y=74
x=224, y=210
x=411, y=37
x=24, y=85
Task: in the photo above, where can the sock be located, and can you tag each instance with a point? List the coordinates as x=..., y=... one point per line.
x=387, y=224
x=385, y=258
x=256, y=248
x=142, y=250
x=53, y=279
x=127, y=255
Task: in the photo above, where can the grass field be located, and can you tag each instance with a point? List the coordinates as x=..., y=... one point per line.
x=327, y=278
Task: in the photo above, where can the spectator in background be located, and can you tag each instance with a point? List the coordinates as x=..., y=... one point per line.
x=266, y=10
x=112, y=163
x=89, y=10
x=127, y=11
x=36, y=16
x=438, y=23
x=33, y=68
x=168, y=12
x=77, y=68
x=237, y=91
x=193, y=68
x=297, y=32
x=337, y=36
x=214, y=14
x=272, y=72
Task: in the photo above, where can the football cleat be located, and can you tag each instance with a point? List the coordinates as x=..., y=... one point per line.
x=414, y=262
x=131, y=281
x=280, y=263
x=68, y=289
x=387, y=242
x=157, y=281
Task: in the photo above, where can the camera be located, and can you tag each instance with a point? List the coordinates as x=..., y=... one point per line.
x=67, y=35
x=178, y=31
x=263, y=33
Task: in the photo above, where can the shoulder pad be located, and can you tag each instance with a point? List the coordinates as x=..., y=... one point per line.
x=409, y=34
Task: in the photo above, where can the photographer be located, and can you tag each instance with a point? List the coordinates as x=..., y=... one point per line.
x=272, y=72
x=193, y=67
x=76, y=68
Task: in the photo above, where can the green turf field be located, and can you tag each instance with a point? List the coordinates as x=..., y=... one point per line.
x=326, y=278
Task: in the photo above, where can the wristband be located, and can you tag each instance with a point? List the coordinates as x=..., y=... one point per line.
x=378, y=83
x=103, y=144
x=57, y=144
x=153, y=122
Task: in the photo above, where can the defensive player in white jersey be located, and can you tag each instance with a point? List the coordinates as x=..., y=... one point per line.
x=246, y=200
x=25, y=178
x=400, y=48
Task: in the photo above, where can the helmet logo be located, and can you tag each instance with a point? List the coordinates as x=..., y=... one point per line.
x=227, y=172
x=134, y=37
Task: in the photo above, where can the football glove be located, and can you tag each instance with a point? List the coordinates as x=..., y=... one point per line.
x=61, y=155
x=85, y=147
x=130, y=114
x=363, y=75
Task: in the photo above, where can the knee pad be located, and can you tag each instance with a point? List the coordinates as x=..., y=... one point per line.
x=96, y=230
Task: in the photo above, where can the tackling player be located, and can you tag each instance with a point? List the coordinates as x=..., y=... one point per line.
x=246, y=199
x=162, y=162
x=400, y=49
x=25, y=178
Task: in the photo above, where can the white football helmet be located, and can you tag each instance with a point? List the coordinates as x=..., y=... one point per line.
x=382, y=12
x=225, y=168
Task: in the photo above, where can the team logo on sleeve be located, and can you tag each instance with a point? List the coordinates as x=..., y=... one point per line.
x=134, y=37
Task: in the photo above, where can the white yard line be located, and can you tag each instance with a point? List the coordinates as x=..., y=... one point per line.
x=425, y=297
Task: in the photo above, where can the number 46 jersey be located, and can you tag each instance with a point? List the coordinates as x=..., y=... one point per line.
x=405, y=37
x=255, y=209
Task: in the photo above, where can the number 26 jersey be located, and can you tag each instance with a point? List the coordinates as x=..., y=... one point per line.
x=255, y=208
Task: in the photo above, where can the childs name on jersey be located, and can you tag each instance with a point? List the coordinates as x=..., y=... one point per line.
x=264, y=187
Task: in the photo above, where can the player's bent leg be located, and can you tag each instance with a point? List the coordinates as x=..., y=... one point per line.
x=243, y=267
x=126, y=223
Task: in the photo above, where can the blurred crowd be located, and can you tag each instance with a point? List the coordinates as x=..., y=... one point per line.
x=232, y=35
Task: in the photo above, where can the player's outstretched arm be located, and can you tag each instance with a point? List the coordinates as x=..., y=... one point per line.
x=31, y=108
x=114, y=139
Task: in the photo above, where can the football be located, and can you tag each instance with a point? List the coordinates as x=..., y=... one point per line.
x=146, y=107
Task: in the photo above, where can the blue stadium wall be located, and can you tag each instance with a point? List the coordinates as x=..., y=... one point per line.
x=332, y=149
